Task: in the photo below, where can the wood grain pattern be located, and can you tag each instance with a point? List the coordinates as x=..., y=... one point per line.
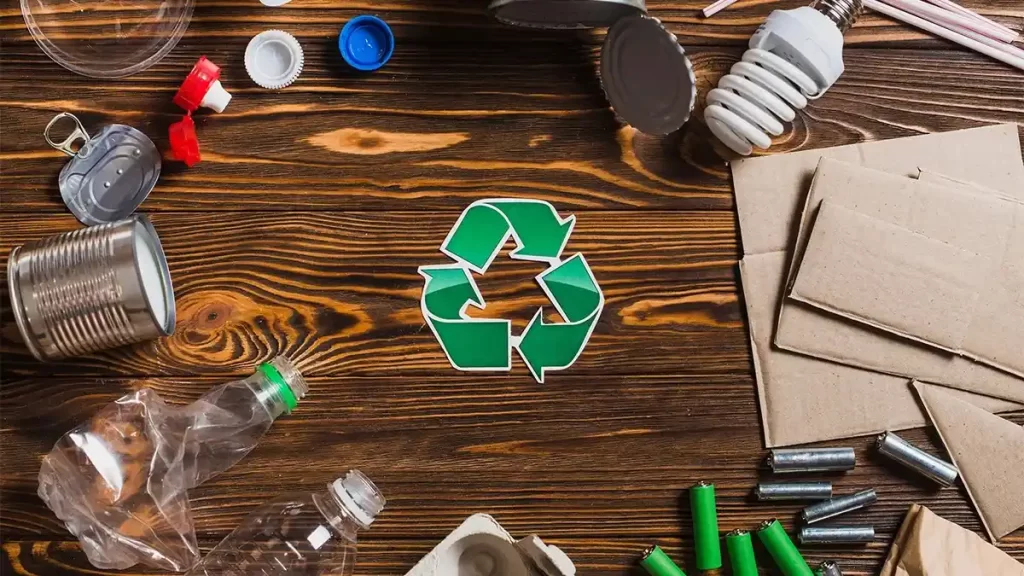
x=518, y=129
x=301, y=230
x=339, y=293
x=444, y=447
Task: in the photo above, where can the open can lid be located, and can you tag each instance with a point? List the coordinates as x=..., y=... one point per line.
x=646, y=75
x=110, y=175
x=564, y=14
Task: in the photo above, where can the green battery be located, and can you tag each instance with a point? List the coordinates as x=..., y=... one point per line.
x=657, y=563
x=741, y=553
x=705, y=526
x=782, y=549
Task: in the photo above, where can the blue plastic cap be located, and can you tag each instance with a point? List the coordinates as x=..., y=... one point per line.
x=366, y=43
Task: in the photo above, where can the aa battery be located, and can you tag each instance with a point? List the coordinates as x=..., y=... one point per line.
x=741, y=553
x=912, y=457
x=828, y=568
x=812, y=460
x=836, y=506
x=705, y=526
x=836, y=534
x=657, y=563
x=794, y=491
x=782, y=550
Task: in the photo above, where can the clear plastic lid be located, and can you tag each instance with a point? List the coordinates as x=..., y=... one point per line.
x=107, y=38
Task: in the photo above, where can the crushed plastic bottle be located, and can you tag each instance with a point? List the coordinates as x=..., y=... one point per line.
x=119, y=481
x=301, y=534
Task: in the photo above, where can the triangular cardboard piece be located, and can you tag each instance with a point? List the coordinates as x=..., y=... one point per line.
x=929, y=545
x=988, y=450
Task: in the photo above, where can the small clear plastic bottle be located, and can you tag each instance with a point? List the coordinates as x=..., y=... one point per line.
x=299, y=534
x=120, y=480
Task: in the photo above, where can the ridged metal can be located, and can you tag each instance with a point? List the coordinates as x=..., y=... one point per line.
x=91, y=289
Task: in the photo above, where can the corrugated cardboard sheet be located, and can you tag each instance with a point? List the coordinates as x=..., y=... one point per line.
x=988, y=451
x=928, y=262
x=801, y=328
x=803, y=398
x=806, y=400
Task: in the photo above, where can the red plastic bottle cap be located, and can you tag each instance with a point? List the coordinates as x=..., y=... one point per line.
x=184, y=144
x=202, y=88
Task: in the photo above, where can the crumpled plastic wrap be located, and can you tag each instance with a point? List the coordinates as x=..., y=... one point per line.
x=120, y=481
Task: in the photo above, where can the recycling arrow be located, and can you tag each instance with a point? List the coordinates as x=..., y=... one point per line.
x=474, y=344
x=485, y=226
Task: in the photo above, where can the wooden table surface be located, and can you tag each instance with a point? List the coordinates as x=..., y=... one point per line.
x=301, y=231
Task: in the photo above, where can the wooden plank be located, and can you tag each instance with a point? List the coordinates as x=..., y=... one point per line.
x=455, y=21
x=339, y=293
x=578, y=458
x=439, y=133
x=386, y=557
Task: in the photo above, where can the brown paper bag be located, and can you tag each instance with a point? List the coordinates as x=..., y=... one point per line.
x=928, y=545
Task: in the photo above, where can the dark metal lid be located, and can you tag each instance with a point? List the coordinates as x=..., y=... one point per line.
x=563, y=14
x=646, y=75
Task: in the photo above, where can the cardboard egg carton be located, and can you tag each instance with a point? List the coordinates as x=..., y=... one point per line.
x=481, y=547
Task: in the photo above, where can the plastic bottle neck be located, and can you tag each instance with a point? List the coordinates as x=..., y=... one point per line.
x=336, y=515
x=350, y=503
x=278, y=386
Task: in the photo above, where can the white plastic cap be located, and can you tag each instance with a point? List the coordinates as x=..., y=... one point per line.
x=216, y=98
x=359, y=496
x=273, y=59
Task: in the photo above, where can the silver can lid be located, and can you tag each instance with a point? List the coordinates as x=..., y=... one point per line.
x=647, y=76
x=110, y=175
x=564, y=14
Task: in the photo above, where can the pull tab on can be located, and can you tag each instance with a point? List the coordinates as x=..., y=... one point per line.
x=110, y=175
x=77, y=134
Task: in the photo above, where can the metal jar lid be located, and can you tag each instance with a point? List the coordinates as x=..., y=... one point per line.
x=646, y=75
x=564, y=14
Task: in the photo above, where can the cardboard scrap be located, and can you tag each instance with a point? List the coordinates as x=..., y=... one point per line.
x=808, y=400
x=770, y=189
x=801, y=330
x=929, y=545
x=905, y=202
x=945, y=273
x=890, y=277
x=988, y=451
x=769, y=193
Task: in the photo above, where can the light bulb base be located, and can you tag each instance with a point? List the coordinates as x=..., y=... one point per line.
x=842, y=13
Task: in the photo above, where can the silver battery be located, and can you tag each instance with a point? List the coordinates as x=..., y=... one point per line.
x=564, y=14
x=836, y=506
x=828, y=568
x=812, y=460
x=794, y=491
x=912, y=457
x=91, y=289
x=836, y=534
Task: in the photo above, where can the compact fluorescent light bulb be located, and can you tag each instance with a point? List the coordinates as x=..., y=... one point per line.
x=796, y=55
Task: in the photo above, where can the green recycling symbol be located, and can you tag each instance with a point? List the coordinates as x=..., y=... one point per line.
x=486, y=344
